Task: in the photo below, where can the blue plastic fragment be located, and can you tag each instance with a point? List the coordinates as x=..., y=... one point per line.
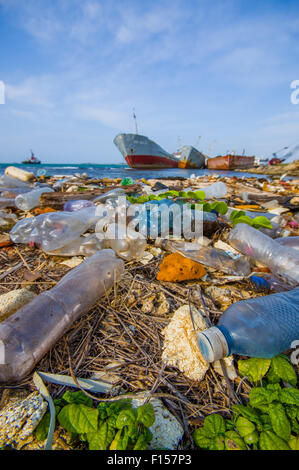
x=259, y=284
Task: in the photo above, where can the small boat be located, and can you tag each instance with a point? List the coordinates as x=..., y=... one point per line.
x=230, y=162
x=190, y=158
x=142, y=153
x=32, y=160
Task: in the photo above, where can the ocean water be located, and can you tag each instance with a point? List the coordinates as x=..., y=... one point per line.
x=118, y=171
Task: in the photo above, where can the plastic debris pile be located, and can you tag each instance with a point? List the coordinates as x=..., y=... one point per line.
x=130, y=279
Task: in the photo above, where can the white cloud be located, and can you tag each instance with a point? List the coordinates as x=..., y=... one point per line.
x=34, y=91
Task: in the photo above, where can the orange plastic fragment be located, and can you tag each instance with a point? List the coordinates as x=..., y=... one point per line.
x=247, y=207
x=176, y=267
x=39, y=211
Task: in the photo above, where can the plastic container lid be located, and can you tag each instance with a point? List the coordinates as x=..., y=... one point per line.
x=213, y=344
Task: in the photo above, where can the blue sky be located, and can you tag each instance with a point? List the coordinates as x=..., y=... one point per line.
x=74, y=70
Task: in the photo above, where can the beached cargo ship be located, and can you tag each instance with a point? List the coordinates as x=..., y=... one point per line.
x=230, y=162
x=190, y=157
x=142, y=153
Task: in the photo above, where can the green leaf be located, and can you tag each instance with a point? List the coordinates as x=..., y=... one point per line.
x=102, y=439
x=247, y=412
x=41, y=432
x=238, y=217
x=261, y=222
x=146, y=415
x=266, y=418
x=255, y=368
x=280, y=423
x=58, y=402
x=272, y=377
x=78, y=398
x=229, y=425
x=79, y=419
x=260, y=396
x=115, y=407
x=291, y=411
x=289, y=396
x=214, y=425
x=199, y=195
x=147, y=434
x=270, y=441
x=251, y=438
x=207, y=207
x=236, y=214
x=141, y=443
x=218, y=443
x=120, y=442
x=103, y=407
x=133, y=431
x=294, y=442
x=126, y=418
x=244, y=426
x=220, y=207
x=284, y=369
x=233, y=441
x=244, y=220
x=98, y=440
x=274, y=388
x=295, y=426
x=171, y=193
x=201, y=439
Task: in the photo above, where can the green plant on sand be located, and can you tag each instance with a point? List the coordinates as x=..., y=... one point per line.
x=270, y=419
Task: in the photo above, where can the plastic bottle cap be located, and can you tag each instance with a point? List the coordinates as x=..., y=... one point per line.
x=213, y=344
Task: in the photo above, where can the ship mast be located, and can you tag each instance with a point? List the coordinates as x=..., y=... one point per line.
x=135, y=119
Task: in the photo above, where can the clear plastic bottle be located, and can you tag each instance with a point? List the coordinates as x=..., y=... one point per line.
x=208, y=256
x=14, y=192
x=28, y=201
x=164, y=217
x=217, y=190
x=130, y=246
x=7, y=183
x=32, y=331
x=83, y=246
x=113, y=194
x=260, y=327
x=54, y=230
x=5, y=202
x=281, y=260
x=73, y=206
x=291, y=242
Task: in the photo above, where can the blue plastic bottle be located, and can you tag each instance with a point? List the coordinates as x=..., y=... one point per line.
x=260, y=327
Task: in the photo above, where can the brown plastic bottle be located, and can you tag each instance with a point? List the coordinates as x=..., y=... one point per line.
x=33, y=330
